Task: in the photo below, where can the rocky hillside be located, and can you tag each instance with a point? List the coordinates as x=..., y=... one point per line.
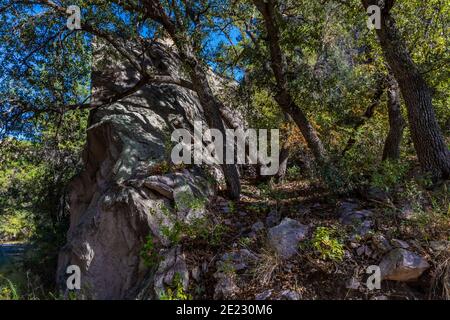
x=143, y=228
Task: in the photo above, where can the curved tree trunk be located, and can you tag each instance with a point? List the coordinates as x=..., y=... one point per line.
x=279, y=69
x=396, y=122
x=284, y=157
x=212, y=107
x=198, y=75
x=432, y=152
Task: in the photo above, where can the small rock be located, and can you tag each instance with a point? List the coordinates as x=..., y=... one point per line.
x=354, y=245
x=377, y=194
x=289, y=295
x=273, y=218
x=285, y=237
x=402, y=265
x=353, y=284
x=379, y=298
x=258, y=226
x=226, y=287
x=238, y=259
x=251, y=235
x=381, y=243
x=440, y=245
x=364, y=250
x=355, y=217
x=347, y=207
x=195, y=272
x=364, y=229
x=264, y=295
x=407, y=212
x=242, y=213
x=396, y=243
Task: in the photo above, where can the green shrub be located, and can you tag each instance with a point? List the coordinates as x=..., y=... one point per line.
x=389, y=174
x=8, y=290
x=17, y=225
x=293, y=172
x=149, y=253
x=329, y=247
x=175, y=291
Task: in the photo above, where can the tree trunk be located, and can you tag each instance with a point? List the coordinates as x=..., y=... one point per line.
x=432, y=152
x=211, y=107
x=396, y=122
x=367, y=114
x=198, y=75
x=284, y=157
x=279, y=68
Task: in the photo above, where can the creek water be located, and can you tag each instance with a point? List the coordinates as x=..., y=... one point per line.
x=10, y=253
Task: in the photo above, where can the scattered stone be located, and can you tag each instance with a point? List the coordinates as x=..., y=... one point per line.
x=251, y=235
x=258, y=226
x=364, y=228
x=364, y=249
x=381, y=243
x=402, y=265
x=440, y=245
x=242, y=213
x=285, y=237
x=396, y=243
x=273, y=218
x=377, y=194
x=354, y=245
x=226, y=287
x=347, y=207
x=316, y=206
x=239, y=260
x=406, y=213
x=264, y=295
x=195, y=273
x=355, y=217
x=289, y=295
x=353, y=284
x=288, y=267
x=379, y=298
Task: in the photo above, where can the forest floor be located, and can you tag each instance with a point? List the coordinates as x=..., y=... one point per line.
x=308, y=275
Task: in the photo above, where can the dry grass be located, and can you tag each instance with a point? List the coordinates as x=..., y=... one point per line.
x=267, y=266
x=440, y=285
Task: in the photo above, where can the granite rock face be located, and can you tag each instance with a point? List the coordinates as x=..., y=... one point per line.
x=121, y=197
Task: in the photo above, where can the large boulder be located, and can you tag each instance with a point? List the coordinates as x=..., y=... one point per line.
x=124, y=197
x=402, y=265
x=285, y=237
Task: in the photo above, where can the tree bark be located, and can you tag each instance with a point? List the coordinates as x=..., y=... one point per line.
x=284, y=157
x=279, y=69
x=211, y=105
x=367, y=114
x=433, y=154
x=396, y=122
